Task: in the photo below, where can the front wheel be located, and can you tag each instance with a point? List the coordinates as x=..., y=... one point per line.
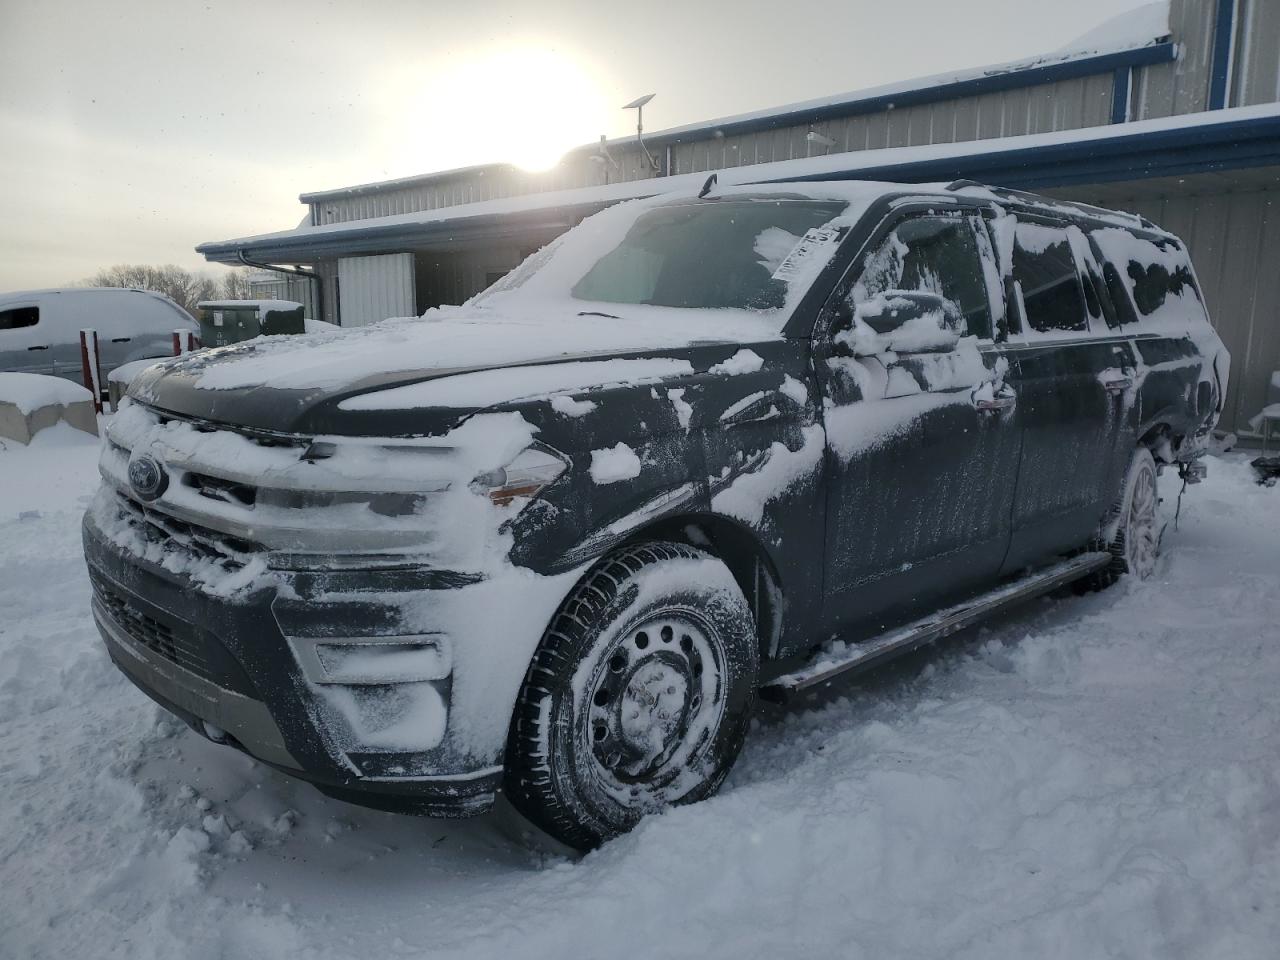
x=638, y=696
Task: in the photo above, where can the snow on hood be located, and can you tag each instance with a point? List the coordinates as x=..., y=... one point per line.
x=444, y=340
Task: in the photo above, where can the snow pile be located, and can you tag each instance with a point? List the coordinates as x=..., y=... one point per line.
x=566, y=406
x=614, y=464
x=1088, y=777
x=744, y=361
x=31, y=391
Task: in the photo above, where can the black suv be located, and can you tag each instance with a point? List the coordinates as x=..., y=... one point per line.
x=554, y=542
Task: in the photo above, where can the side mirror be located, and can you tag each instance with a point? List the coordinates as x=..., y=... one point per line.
x=904, y=321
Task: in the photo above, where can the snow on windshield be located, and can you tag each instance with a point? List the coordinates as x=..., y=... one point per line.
x=744, y=256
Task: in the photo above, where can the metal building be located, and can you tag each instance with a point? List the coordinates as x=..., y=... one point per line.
x=1172, y=111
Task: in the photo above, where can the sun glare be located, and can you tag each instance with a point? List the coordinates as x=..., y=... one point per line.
x=521, y=105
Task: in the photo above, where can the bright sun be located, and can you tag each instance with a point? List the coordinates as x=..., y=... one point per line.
x=525, y=105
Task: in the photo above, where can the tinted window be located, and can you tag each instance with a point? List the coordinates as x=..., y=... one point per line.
x=936, y=255
x=1045, y=268
x=1148, y=276
x=19, y=317
x=716, y=254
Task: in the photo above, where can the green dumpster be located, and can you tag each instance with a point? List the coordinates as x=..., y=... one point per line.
x=231, y=321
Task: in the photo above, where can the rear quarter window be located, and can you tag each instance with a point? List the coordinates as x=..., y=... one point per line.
x=1151, y=277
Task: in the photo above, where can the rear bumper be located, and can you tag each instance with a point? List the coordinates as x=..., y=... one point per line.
x=228, y=667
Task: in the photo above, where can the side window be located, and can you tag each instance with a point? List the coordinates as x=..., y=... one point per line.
x=19, y=317
x=934, y=254
x=1045, y=269
x=1150, y=276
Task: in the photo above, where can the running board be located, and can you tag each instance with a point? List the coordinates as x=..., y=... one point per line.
x=845, y=658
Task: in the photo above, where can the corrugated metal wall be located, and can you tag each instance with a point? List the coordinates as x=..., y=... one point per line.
x=1257, y=63
x=283, y=287
x=375, y=288
x=1068, y=104
x=1234, y=239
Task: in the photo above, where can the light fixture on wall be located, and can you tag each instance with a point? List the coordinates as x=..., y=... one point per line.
x=812, y=137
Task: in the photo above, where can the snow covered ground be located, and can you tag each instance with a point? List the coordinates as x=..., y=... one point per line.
x=1091, y=777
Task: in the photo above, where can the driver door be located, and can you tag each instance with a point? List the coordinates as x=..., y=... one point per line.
x=923, y=440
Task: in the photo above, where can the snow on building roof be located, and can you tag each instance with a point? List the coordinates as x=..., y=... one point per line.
x=1140, y=27
x=885, y=164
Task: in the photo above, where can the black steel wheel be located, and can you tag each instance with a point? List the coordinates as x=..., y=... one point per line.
x=638, y=696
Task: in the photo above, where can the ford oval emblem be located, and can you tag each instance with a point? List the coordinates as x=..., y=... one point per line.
x=147, y=477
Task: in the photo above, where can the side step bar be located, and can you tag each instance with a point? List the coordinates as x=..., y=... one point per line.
x=845, y=658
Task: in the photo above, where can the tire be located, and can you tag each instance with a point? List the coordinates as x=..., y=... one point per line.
x=638, y=696
x=1131, y=533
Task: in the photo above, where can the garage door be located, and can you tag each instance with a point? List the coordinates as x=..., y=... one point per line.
x=374, y=288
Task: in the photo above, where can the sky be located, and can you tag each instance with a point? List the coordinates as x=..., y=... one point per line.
x=131, y=131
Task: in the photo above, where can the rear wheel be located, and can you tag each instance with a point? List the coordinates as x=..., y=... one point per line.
x=1132, y=532
x=638, y=696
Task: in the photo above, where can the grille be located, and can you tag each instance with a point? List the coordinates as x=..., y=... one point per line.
x=231, y=553
x=181, y=647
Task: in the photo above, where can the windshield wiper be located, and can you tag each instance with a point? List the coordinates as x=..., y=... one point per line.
x=597, y=313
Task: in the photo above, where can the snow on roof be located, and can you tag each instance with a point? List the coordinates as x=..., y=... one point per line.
x=1133, y=28
x=1139, y=27
x=838, y=166
x=1129, y=31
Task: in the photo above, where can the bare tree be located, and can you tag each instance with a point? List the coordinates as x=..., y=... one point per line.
x=235, y=285
x=182, y=286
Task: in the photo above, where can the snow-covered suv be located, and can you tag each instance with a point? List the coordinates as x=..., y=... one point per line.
x=555, y=542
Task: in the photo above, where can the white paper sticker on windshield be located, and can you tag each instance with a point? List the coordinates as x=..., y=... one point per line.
x=813, y=240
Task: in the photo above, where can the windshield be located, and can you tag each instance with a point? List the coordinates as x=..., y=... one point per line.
x=735, y=254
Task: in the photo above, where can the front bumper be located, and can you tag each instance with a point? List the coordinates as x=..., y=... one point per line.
x=229, y=667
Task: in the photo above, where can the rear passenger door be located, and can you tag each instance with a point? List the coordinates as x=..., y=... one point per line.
x=1073, y=372
x=922, y=447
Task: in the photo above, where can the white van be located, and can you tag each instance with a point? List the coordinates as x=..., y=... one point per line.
x=40, y=329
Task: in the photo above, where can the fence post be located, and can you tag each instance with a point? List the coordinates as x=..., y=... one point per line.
x=90, y=366
x=184, y=341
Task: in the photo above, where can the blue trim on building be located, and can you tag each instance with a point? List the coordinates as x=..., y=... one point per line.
x=1201, y=148
x=1121, y=85
x=1223, y=43
x=988, y=83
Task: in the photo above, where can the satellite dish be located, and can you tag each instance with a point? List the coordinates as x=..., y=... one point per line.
x=639, y=102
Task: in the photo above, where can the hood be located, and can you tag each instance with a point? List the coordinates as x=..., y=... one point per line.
x=354, y=381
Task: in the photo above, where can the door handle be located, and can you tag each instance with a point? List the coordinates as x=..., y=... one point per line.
x=1117, y=385
x=996, y=404
x=121, y=339
x=1001, y=399
x=41, y=347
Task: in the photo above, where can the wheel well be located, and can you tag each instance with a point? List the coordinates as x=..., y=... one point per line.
x=744, y=555
x=1159, y=439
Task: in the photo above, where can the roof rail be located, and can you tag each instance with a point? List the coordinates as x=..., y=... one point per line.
x=1036, y=199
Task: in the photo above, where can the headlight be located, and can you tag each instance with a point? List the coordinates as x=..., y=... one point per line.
x=524, y=476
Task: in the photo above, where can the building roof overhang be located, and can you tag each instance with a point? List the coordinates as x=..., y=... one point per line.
x=1214, y=141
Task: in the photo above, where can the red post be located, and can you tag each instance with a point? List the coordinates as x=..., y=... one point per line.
x=184, y=341
x=177, y=343
x=91, y=366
